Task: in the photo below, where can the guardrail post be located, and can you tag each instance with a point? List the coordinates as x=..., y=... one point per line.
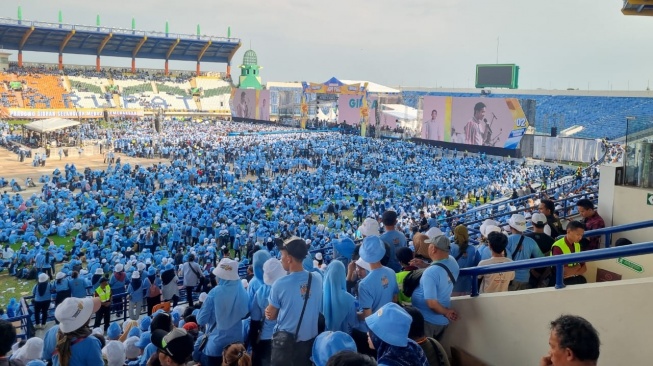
x=608, y=240
x=560, y=281
x=475, y=286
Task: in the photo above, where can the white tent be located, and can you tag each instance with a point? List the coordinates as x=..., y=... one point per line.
x=50, y=124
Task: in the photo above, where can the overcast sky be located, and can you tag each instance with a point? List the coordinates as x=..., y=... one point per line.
x=429, y=43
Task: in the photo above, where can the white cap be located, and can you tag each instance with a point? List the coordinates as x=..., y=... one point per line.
x=203, y=296
x=99, y=271
x=517, y=222
x=272, y=271
x=43, y=278
x=60, y=275
x=538, y=218
x=361, y=263
x=318, y=256
x=433, y=232
x=136, y=275
x=369, y=227
x=118, y=268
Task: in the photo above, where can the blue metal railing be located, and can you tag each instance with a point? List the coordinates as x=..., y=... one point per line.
x=560, y=260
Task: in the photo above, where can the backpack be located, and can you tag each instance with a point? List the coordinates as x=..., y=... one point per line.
x=155, y=291
x=411, y=281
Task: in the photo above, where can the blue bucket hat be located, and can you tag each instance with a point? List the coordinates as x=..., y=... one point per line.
x=114, y=331
x=144, y=324
x=146, y=338
x=328, y=344
x=151, y=271
x=134, y=332
x=391, y=324
x=372, y=250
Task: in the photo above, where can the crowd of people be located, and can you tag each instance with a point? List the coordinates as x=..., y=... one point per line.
x=309, y=242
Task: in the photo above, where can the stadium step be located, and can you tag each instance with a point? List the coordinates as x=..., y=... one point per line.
x=66, y=84
x=155, y=89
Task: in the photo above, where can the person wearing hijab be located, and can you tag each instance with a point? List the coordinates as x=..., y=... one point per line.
x=117, y=284
x=170, y=289
x=261, y=329
x=388, y=335
x=338, y=306
x=62, y=288
x=75, y=344
x=136, y=292
x=42, y=299
x=78, y=285
x=31, y=350
x=465, y=255
x=222, y=312
x=259, y=259
x=152, y=284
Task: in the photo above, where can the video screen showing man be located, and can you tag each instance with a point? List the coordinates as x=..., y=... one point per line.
x=242, y=110
x=431, y=127
x=264, y=111
x=475, y=129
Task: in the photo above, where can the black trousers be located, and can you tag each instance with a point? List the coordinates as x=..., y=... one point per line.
x=261, y=353
x=41, y=312
x=103, y=314
x=189, y=295
x=151, y=303
x=300, y=355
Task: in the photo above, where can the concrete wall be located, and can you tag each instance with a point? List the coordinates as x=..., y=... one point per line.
x=512, y=328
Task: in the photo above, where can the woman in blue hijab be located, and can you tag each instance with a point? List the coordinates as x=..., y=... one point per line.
x=339, y=306
x=258, y=259
x=222, y=312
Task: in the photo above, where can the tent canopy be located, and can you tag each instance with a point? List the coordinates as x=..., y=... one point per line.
x=51, y=124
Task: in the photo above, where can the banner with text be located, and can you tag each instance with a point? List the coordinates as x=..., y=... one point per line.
x=349, y=109
x=70, y=113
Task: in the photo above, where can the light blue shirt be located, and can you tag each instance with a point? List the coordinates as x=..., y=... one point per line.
x=528, y=250
x=287, y=295
x=257, y=311
x=435, y=284
x=395, y=240
x=86, y=352
x=377, y=288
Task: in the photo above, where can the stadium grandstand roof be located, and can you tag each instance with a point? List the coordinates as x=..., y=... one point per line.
x=115, y=42
x=638, y=7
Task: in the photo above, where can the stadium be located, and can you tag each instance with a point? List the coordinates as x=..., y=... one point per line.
x=177, y=208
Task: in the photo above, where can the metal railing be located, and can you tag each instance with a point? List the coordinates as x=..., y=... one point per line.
x=560, y=260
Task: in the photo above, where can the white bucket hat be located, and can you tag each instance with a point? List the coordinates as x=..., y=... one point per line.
x=227, y=269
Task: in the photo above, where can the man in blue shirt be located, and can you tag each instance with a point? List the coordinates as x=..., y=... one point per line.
x=520, y=247
x=393, y=239
x=379, y=286
x=432, y=297
x=287, y=298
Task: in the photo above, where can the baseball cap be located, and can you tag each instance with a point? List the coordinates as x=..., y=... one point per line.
x=391, y=323
x=296, y=247
x=177, y=344
x=538, y=219
x=372, y=250
x=517, y=222
x=162, y=321
x=441, y=242
x=73, y=312
x=328, y=344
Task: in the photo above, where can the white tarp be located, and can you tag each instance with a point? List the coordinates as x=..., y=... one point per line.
x=51, y=124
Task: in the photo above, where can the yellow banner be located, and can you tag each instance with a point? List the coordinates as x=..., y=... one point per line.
x=315, y=88
x=70, y=113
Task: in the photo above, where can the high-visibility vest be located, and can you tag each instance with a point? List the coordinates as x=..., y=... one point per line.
x=565, y=249
x=104, y=295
